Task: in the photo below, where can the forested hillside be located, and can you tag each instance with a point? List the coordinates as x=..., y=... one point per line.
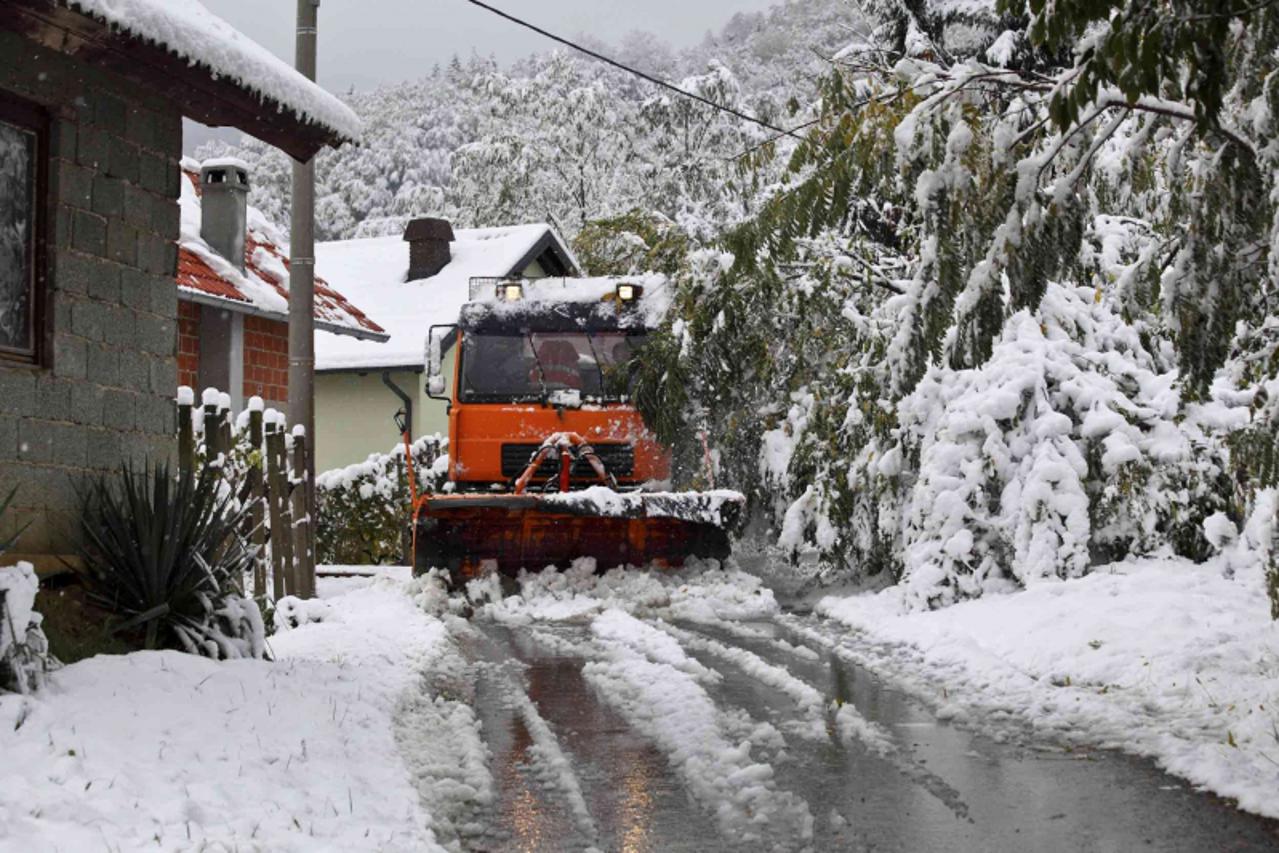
x=1005, y=313
x=558, y=134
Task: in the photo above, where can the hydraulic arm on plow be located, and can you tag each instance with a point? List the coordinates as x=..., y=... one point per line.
x=549, y=460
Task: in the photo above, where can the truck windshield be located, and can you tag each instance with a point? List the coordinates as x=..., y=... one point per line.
x=499, y=368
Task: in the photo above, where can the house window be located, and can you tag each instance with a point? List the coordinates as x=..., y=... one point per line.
x=22, y=151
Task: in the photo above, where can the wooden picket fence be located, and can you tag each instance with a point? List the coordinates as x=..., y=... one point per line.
x=275, y=485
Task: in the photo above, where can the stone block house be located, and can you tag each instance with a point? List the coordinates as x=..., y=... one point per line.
x=92, y=96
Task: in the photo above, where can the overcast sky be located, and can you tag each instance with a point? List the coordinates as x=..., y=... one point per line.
x=367, y=42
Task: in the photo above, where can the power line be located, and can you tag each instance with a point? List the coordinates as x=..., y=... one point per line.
x=650, y=78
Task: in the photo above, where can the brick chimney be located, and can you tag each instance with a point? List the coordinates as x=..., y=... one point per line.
x=428, y=240
x=224, y=185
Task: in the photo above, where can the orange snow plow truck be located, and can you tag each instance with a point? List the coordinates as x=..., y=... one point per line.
x=548, y=458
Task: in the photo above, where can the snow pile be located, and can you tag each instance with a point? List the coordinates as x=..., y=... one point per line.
x=443, y=745
x=811, y=721
x=24, y=651
x=188, y=30
x=174, y=751
x=293, y=612
x=617, y=628
x=702, y=591
x=667, y=704
x=1157, y=656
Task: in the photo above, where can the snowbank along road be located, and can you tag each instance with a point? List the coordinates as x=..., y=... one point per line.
x=639, y=711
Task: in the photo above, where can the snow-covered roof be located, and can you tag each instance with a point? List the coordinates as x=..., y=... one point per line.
x=375, y=270
x=263, y=288
x=185, y=28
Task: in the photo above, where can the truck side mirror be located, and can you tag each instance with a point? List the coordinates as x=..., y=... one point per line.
x=437, y=339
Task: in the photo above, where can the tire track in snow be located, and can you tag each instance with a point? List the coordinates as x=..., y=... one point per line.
x=854, y=727
x=845, y=722
x=743, y=631
x=805, y=696
x=556, y=769
x=663, y=699
x=438, y=733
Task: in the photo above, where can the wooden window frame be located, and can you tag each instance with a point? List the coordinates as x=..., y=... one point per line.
x=31, y=117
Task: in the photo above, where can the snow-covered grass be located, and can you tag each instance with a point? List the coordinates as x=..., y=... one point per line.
x=1160, y=657
x=170, y=751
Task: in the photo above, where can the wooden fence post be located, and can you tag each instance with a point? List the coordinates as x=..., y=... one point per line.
x=257, y=494
x=304, y=564
x=186, y=435
x=211, y=431
x=226, y=440
x=278, y=497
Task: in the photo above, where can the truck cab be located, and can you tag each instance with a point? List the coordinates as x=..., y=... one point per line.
x=535, y=358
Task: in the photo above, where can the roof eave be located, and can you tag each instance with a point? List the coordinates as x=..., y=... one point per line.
x=548, y=242
x=349, y=332
x=195, y=88
x=185, y=294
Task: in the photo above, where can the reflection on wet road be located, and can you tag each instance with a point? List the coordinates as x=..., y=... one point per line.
x=881, y=773
x=634, y=799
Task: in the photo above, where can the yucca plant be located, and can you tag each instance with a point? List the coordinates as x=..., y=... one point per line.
x=166, y=553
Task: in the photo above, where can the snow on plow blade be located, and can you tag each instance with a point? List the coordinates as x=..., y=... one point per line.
x=537, y=530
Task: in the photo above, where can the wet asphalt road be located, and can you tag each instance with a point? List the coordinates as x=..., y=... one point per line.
x=943, y=788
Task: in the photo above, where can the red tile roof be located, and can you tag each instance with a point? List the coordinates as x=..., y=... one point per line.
x=265, y=264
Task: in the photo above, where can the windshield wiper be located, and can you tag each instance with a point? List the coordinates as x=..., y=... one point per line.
x=541, y=374
x=599, y=367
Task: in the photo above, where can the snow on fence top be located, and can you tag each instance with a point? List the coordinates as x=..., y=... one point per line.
x=188, y=30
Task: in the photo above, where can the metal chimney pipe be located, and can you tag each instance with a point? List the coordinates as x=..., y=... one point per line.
x=302, y=294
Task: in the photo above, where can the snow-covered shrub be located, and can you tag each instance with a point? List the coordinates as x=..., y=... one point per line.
x=1064, y=447
x=992, y=327
x=166, y=553
x=364, y=510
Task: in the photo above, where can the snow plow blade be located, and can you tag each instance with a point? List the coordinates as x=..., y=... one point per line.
x=463, y=532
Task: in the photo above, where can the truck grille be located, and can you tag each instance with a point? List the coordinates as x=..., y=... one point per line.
x=618, y=459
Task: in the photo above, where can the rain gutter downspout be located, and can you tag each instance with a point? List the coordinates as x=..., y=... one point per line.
x=404, y=398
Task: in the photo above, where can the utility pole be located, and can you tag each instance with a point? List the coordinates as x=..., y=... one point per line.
x=302, y=293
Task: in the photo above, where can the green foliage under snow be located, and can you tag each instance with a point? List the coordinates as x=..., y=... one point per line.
x=976, y=339
x=364, y=509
